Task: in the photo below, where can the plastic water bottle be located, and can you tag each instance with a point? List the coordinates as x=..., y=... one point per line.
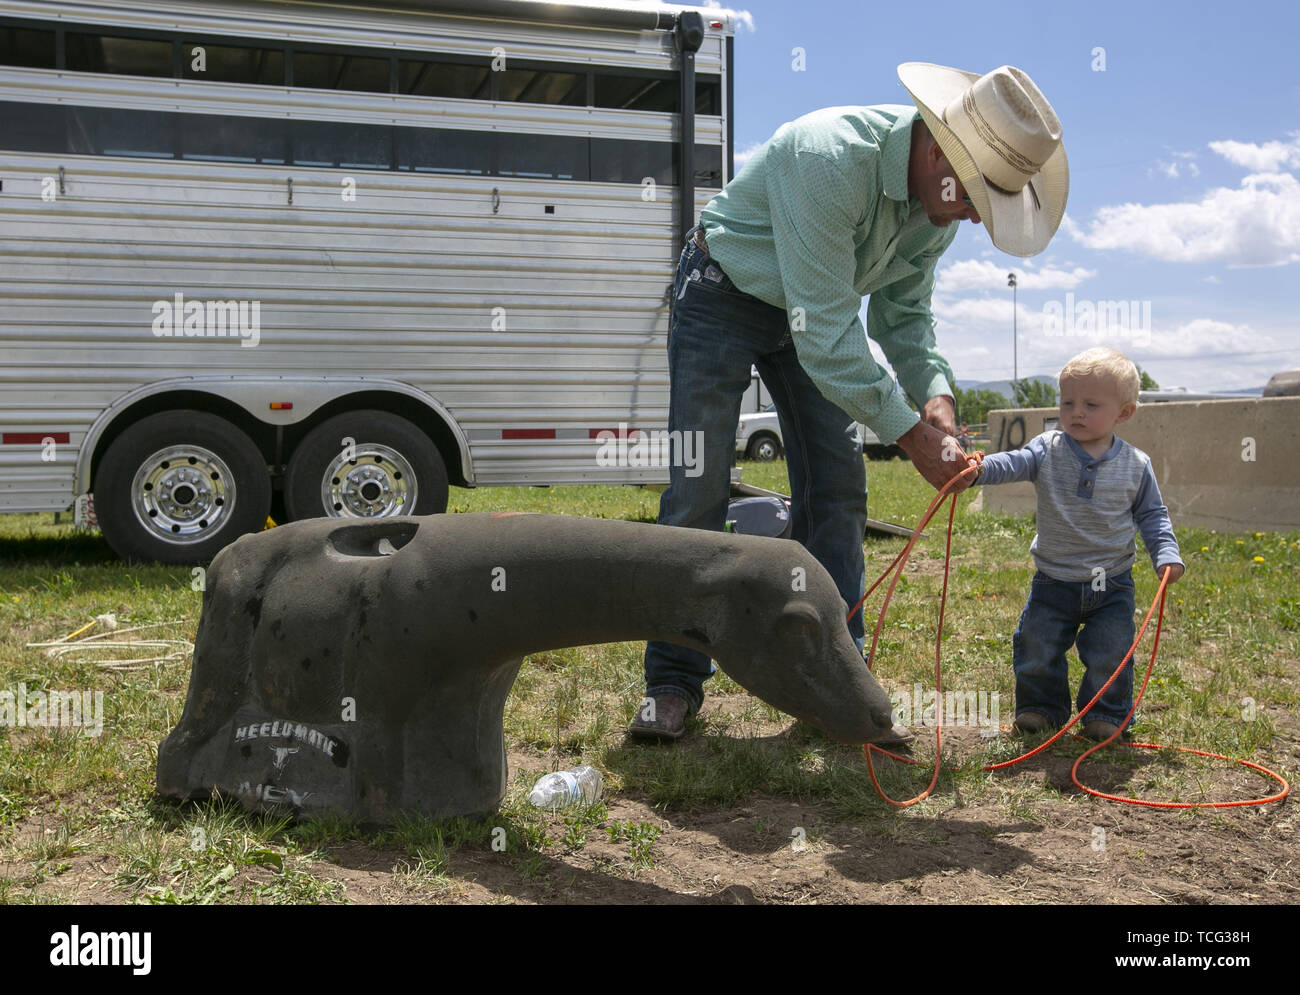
x=567, y=789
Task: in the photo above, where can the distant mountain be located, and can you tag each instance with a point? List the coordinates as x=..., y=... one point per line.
x=1003, y=387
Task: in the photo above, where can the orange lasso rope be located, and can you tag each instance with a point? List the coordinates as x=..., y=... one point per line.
x=896, y=568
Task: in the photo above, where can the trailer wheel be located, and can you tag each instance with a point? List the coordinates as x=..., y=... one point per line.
x=365, y=464
x=764, y=448
x=178, y=486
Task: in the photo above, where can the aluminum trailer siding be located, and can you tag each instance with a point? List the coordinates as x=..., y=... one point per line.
x=465, y=224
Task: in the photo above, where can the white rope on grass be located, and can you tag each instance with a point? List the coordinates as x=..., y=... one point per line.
x=60, y=649
x=93, y=654
x=118, y=632
x=133, y=644
x=180, y=648
x=154, y=660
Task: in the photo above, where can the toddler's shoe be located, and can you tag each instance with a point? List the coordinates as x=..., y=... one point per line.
x=1100, y=729
x=1029, y=722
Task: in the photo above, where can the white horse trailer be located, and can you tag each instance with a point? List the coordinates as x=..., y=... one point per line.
x=336, y=255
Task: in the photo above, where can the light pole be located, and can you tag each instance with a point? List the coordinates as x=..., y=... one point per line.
x=1015, y=362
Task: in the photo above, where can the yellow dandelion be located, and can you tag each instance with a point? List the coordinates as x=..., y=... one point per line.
x=1259, y=559
x=1205, y=549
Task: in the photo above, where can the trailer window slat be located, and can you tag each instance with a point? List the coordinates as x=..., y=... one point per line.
x=254, y=62
x=82, y=130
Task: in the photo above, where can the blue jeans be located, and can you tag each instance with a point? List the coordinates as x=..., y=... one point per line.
x=716, y=332
x=1050, y=625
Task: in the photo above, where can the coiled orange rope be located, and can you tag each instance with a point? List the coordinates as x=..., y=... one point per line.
x=896, y=568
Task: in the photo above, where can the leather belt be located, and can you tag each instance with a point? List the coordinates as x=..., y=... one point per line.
x=698, y=239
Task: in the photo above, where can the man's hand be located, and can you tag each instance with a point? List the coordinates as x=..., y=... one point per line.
x=937, y=456
x=940, y=412
x=1175, y=571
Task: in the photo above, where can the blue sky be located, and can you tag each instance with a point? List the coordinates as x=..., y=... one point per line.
x=1184, y=168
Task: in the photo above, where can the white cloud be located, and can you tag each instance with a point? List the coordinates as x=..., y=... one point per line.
x=1257, y=224
x=1173, y=170
x=974, y=335
x=972, y=274
x=984, y=313
x=1070, y=228
x=1183, y=163
x=744, y=19
x=1205, y=336
x=1211, y=355
x=1067, y=325
x=1266, y=158
x=743, y=156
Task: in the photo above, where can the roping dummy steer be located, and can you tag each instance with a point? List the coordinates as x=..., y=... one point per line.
x=361, y=668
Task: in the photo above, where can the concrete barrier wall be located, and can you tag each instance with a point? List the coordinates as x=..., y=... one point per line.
x=1227, y=465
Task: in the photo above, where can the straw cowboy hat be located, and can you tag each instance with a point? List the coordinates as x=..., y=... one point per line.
x=1003, y=140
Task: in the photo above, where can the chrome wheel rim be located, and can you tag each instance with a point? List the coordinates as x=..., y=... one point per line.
x=183, y=494
x=377, y=482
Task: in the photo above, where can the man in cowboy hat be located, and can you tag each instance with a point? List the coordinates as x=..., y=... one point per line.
x=839, y=204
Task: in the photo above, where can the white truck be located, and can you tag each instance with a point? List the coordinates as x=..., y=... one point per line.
x=758, y=437
x=325, y=257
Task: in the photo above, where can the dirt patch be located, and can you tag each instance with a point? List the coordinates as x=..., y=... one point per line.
x=964, y=854
x=925, y=566
x=1027, y=836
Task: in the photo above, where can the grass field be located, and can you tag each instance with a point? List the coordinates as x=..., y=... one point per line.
x=750, y=807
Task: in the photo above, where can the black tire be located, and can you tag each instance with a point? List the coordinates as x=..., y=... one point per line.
x=178, y=486
x=395, y=469
x=764, y=448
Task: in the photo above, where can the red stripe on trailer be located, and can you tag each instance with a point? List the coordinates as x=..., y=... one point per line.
x=632, y=433
x=32, y=438
x=528, y=433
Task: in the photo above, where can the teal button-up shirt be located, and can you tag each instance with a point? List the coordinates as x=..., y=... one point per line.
x=820, y=217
